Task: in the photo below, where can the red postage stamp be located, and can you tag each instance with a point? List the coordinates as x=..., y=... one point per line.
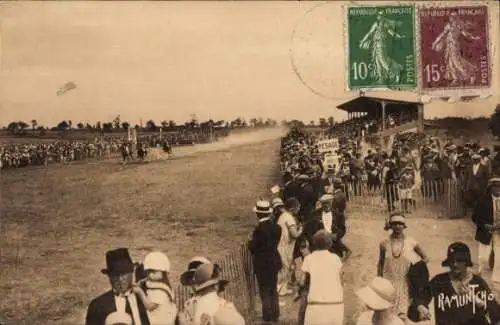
x=454, y=50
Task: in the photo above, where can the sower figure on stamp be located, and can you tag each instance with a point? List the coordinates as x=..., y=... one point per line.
x=119, y=302
x=266, y=260
x=386, y=68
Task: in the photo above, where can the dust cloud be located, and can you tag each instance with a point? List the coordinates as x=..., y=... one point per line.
x=233, y=140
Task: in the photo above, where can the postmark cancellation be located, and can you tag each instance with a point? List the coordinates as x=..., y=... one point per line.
x=381, y=47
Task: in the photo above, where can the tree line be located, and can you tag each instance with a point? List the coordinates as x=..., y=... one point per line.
x=118, y=125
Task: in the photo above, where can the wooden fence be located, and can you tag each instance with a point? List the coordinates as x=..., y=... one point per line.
x=241, y=290
x=436, y=198
x=441, y=198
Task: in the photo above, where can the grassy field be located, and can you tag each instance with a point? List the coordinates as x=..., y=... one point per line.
x=58, y=222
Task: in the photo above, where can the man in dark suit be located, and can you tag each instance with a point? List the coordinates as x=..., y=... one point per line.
x=486, y=225
x=119, y=301
x=266, y=260
x=339, y=205
x=476, y=180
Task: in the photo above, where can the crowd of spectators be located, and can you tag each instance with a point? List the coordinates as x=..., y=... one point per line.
x=37, y=153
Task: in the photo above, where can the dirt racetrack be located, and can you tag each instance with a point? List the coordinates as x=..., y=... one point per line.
x=58, y=222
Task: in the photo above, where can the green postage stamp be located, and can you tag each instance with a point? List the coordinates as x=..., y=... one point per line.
x=381, y=47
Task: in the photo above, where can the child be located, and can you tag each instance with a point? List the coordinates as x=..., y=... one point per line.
x=159, y=300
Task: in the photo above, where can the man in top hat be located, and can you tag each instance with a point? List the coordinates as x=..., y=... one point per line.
x=121, y=299
x=266, y=260
x=460, y=297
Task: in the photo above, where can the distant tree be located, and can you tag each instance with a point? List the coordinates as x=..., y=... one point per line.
x=63, y=125
x=171, y=124
x=237, y=122
x=125, y=125
x=284, y=123
x=296, y=123
x=117, y=122
x=331, y=121
x=107, y=127
x=164, y=124
x=150, y=125
x=34, y=123
x=70, y=124
x=13, y=127
x=98, y=125
x=89, y=127
x=137, y=127
x=322, y=122
x=80, y=125
x=311, y=123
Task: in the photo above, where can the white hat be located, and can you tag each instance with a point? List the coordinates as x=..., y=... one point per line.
x=118, y=318
x=277, y=202
x=157, y=261
x=378, y=295
x=263, y=207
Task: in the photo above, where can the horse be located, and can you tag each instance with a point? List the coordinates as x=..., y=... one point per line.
x=142, y=152
x=126, y=153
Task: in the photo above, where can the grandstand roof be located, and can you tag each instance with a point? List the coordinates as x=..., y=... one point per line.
x=370, y=104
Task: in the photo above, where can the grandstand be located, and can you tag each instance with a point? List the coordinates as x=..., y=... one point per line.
x=383, y=117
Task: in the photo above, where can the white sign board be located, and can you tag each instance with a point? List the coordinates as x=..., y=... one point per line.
x=330, y=160
x=328, y=145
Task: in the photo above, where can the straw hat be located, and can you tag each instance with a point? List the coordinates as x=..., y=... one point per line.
x=277, y=202
x=378, y=294
x=263, y=207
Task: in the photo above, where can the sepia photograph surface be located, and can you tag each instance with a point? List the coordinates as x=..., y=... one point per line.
x=249, y=162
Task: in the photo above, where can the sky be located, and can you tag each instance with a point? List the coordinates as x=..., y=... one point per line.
x=168, y=60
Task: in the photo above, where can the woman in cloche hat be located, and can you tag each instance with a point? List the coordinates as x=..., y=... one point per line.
x=397, y=253
x=460, y=297
x=208, y=307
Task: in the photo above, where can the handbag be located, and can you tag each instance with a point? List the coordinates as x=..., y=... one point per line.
x=418, y=278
